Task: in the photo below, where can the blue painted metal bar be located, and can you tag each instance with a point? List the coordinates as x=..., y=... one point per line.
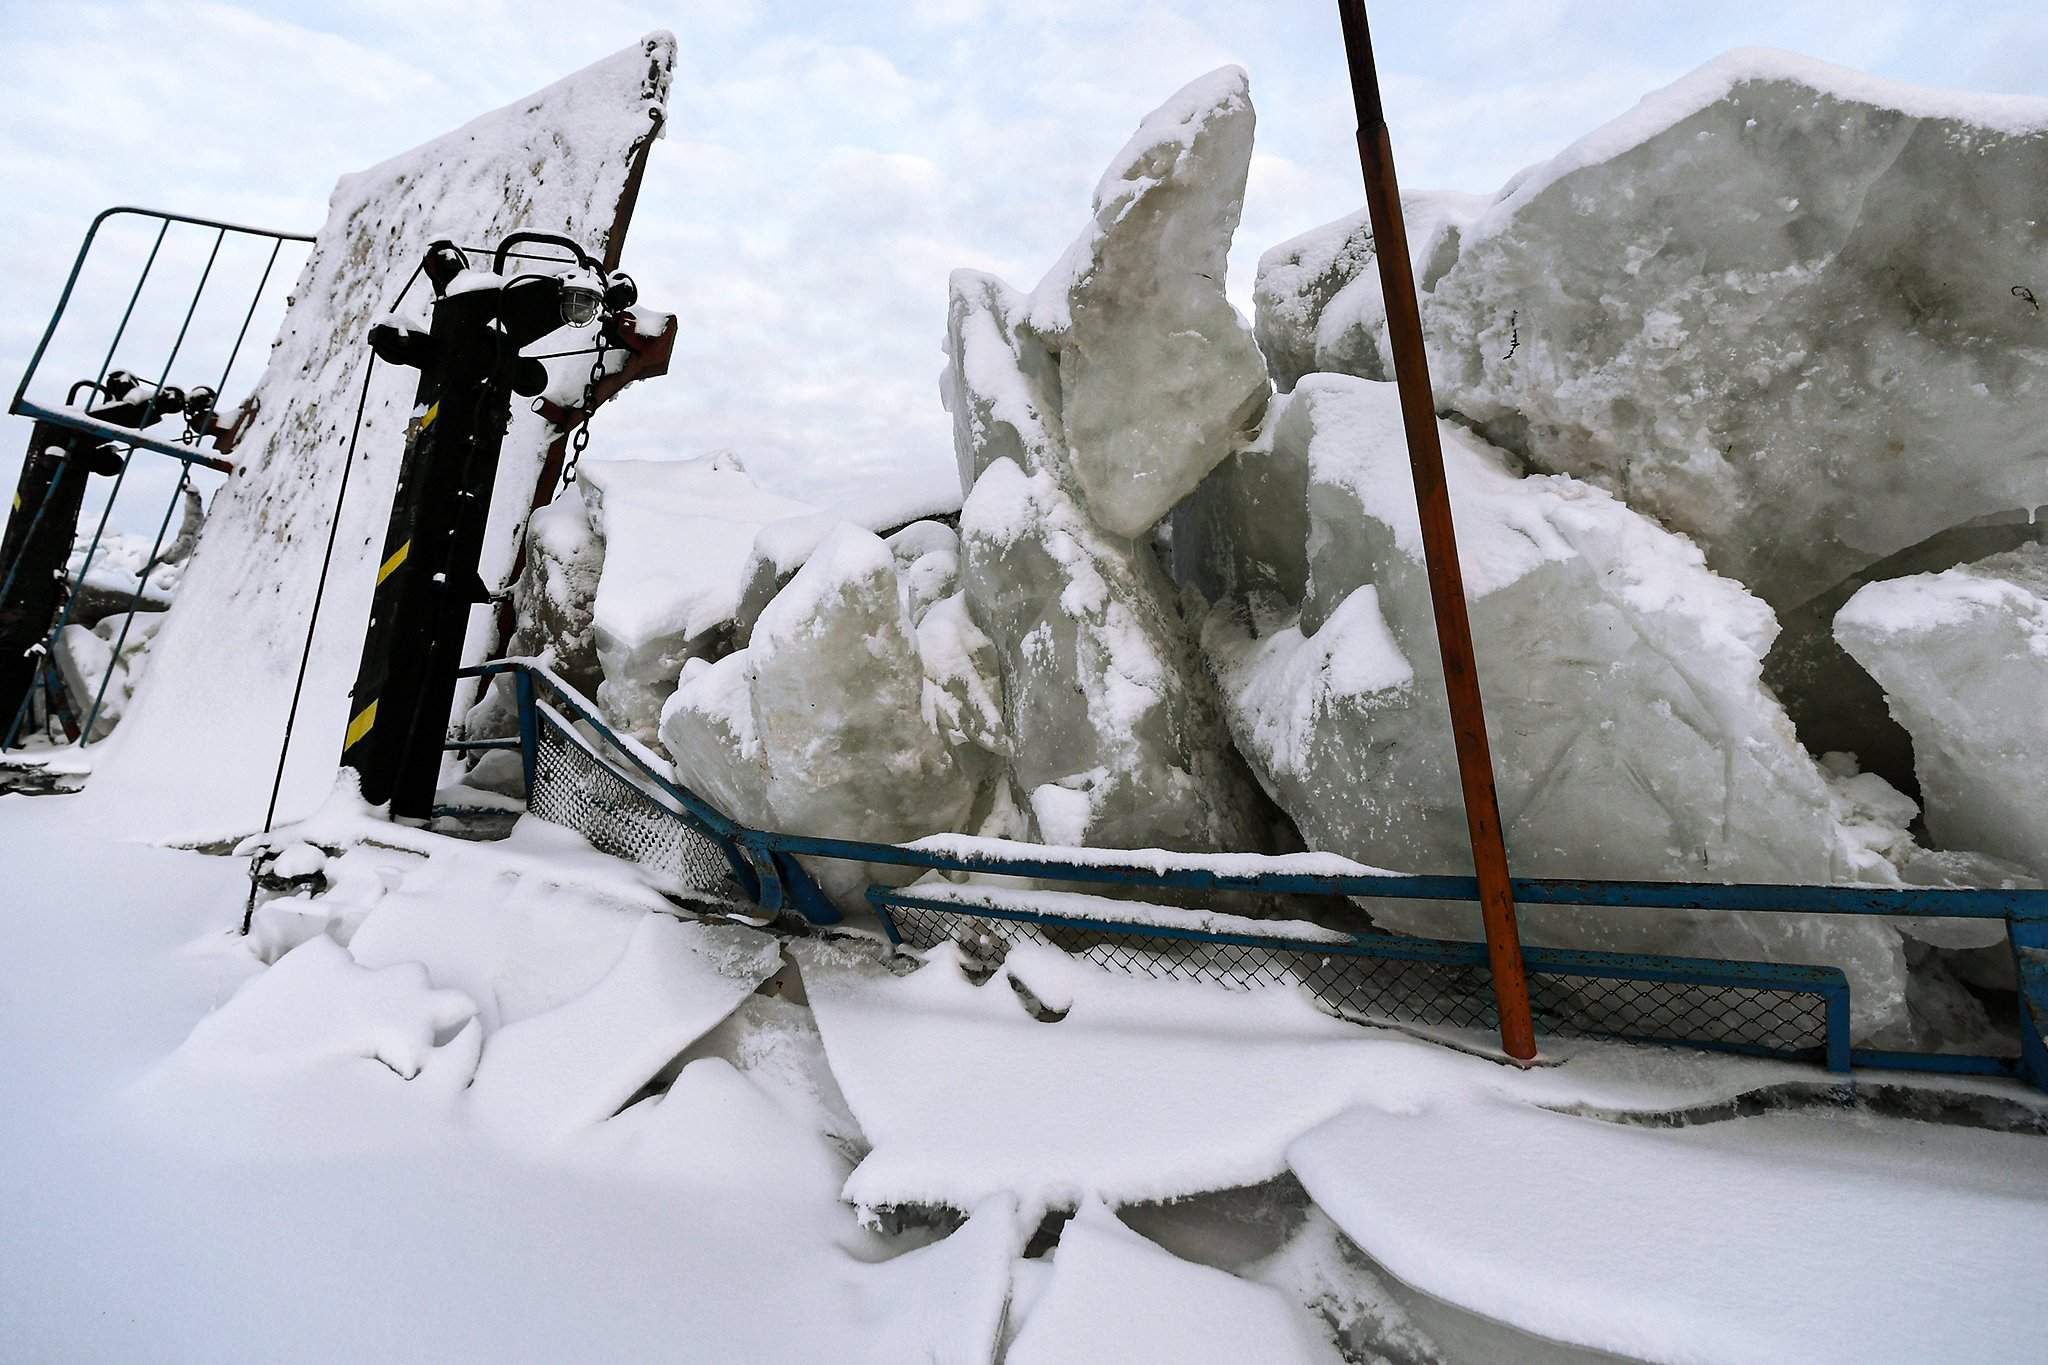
x=757, y=877
x=78, y=265
x=1764, y=897
x=778, y=882
x=78, y=421
x=1941, y=1063
x=255, y=300
x=1829, y=983
x=127, y=314
x=134, y=601
x=529, y=734
x=470, y=746
x=1758, y=897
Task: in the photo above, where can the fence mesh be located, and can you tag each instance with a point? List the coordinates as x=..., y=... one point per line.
x=575, y=787
x=1446, y=985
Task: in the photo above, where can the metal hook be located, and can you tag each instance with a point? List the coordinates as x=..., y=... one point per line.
x=2020, y=291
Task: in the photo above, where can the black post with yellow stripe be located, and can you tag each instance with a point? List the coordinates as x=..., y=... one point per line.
x=427, y=576
x=42, y=523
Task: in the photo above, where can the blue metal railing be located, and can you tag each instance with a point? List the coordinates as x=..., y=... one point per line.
x=74, y=418
x=766, y=869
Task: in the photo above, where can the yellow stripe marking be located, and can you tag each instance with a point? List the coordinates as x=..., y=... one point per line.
x=359, y=727
x=390, y=565
x=427, y=418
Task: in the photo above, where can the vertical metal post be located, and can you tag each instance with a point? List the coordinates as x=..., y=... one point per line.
x=529, y=731
x=134, y=604
x=1439, y=542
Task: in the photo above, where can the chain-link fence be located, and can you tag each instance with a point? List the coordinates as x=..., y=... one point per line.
x=578, y=785
x=619, y=796
x=1434, y=983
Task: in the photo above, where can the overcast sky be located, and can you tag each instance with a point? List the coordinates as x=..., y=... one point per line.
x=827, y=164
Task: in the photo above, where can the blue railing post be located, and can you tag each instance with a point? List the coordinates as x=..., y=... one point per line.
x=2027, y=930
x=529, y=730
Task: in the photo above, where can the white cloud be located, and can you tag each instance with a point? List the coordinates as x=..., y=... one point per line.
x=826, y=166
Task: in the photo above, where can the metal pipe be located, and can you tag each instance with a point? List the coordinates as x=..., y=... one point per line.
x=134, y=602
x=127, y=314
x=1439, y=542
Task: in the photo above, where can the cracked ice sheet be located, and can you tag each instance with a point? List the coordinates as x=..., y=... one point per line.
x=1115, y=1296
x=574, y=1066
x=360, y=1217
x=1759, y=1239
x=1146, y=1090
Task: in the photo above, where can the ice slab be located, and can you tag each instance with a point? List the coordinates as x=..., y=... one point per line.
x=1001, y=383
x=1157, y=372
x=1318, y=302
x=1762, y=1238
x=562, y=157
x=556, y=596
x=678, y=536
x=517, y=944
x=551, y=1074
x=826, y=724
x=95, y=676
x=1963, y=658
x=1115, y=1296
x=1750, y=306
x=1114, y=724
x=317, y=1005
x=945, y=1303
x=1631, y=734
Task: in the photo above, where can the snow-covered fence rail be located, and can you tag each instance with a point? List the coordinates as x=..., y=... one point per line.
x=617, y=793
x=1762, y=1008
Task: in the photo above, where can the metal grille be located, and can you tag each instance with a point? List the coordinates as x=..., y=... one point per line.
x=1429, y=983
x=1748, y=1017
x=576, y=786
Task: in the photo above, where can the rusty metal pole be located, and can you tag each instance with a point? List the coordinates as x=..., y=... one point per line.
x=1439, y=542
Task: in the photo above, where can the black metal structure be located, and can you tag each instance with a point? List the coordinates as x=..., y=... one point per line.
x=427, y=577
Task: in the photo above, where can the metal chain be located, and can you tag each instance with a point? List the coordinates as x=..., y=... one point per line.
x=579, y=439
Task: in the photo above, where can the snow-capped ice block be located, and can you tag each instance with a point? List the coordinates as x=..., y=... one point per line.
x=1773, y=307
x=1317, y=300
x=1116, y=1296
x=1144, y=1090
x=839, y=704
x=575, y=1065
x=1001, y=384
x=556, y=595
x=708, y=729
x=781, y=547
x=1157, y=372
x=1696, y=1243
x=1963, y=659
x=1112, y=720
x=826, y=724
x=94, y=675
x=1243, y=534
x=1631, y=734
x=946, y=1303
x=562, y=159
x=678, y=537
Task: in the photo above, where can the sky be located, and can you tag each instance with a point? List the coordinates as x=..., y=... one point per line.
x=827, y=165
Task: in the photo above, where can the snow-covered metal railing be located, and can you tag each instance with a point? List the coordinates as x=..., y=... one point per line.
x=109, y=425
x=764, y=867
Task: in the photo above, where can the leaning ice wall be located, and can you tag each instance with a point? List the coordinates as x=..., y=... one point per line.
x=195, y=756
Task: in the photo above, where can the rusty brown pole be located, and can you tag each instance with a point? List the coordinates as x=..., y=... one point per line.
x=1439, y=542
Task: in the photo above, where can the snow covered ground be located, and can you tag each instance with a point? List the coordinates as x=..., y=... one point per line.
x=205, y=1158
